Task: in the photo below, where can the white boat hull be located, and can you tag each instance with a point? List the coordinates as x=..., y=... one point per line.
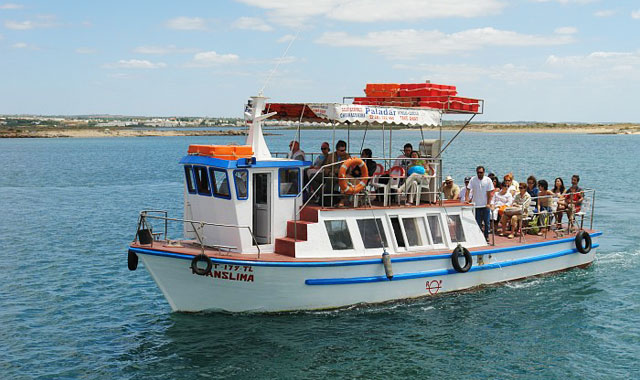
x=249, y=286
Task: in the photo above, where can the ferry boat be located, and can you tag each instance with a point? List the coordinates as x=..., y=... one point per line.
x=262, y=233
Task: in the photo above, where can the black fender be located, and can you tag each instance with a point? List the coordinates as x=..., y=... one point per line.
x=468, y=260
x=201, y=271
x=132, y=260
x=583, y=242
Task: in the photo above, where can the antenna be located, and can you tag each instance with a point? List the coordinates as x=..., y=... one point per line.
x=279, y=62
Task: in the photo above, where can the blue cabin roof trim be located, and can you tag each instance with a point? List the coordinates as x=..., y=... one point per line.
x=233, y=164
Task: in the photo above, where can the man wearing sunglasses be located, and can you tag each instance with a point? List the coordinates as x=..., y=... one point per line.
x=479, y=191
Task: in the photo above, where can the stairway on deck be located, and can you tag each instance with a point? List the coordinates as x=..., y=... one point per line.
x=287, y=245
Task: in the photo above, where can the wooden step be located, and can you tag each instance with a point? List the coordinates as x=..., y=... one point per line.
x=309, y=214
x=286, y=246
x=300, y=226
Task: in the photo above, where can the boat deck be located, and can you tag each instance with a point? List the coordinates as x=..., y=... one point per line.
x=192, y=248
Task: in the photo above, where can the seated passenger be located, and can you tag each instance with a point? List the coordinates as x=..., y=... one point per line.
x=545, y=204
x=295, y=153
x=450, y=189
x=512, y=188
x=558, y=195
x=419, y=173
x=521, y=203
x=532, y=189
x=332, y=163
x=371, y=164
x=574, y=198
x=402, y=160
x=500, y=201
x=463, y=190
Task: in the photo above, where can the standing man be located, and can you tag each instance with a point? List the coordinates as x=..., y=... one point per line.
x=482, y=188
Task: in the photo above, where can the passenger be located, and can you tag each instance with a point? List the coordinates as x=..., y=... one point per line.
x=450, y=189
x=324, y=149
x=532, y=189
x=500, y=201
x=481, y=197
x=574, y=198
x=402, y=159
x=315, y=167
x=558, y=192
x=331, y=186
x=508, y=179
x=371, y=164
x=463, y=190
x=521, y=202
x=545, y=204
x=496, y=183
x=419, y=173
x=295, y=153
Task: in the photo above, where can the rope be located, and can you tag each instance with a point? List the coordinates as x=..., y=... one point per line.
x=279, y=62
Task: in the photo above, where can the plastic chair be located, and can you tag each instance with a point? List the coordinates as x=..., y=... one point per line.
x=396, y=174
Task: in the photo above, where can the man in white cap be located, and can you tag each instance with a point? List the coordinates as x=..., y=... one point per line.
x=450, y=189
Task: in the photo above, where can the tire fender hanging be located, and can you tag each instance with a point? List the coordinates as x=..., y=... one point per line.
x=198, y=270
x=468, y=260
x=132, y=260
x=583, y=242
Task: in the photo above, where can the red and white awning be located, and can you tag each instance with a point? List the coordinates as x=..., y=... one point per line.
x=354, y=113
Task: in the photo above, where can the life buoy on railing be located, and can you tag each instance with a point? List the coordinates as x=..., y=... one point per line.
x=461, y=251
x=583, y=242
x=197, y=269
x=343, y=182
x=132, y=260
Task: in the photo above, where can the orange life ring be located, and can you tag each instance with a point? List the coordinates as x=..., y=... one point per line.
x=343, y=182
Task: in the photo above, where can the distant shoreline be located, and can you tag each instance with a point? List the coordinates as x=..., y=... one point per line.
x=94, y=132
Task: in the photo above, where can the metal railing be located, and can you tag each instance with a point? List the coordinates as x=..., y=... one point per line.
x=196, y=225
x=533, y=217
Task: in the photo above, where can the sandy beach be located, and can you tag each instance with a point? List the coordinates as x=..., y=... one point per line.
x=106, y=132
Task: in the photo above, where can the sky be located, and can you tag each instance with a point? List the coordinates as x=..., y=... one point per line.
x=530, y=60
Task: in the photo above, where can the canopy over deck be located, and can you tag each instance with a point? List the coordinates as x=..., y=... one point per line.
x=353, y=113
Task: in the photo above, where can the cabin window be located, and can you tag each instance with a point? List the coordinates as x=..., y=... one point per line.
x=371, y=234
x=455, y=228
x=338, y=234
x=188, y=176
x=435, y=229
x=414, y=230
x=202, y=180
x=241, y=179
x=289, y=181
x=397, y=231
x=220, y=182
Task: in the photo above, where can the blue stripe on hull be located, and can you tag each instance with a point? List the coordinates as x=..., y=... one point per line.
x=145, y=251
x=439, y=272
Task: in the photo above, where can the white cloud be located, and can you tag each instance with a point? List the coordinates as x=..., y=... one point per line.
x=286, y=38
x=10, y=6
x=211, y=58
x=187, y=23
x=635, y=14
x=604, y=13
x=566, y=30
x=296, y=12
x=408, y=43
x=461, y=73
x=42, y=21
x=162, y=50
x=134, y=64
x=252, y=23
x=600, y=65
x=20, y=45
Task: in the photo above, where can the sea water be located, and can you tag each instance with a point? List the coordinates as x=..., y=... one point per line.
x=70, y=308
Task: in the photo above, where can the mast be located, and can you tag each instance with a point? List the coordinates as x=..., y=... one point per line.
x=255, y=138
